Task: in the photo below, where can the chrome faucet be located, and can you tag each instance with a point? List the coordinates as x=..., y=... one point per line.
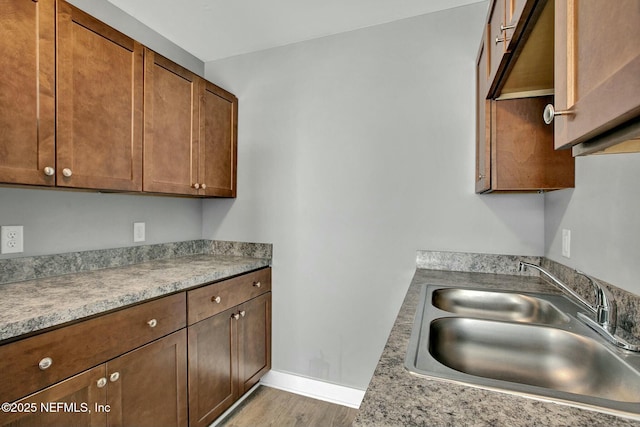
x=604, y=313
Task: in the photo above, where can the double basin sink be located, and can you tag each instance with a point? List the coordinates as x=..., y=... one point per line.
x=525, y=343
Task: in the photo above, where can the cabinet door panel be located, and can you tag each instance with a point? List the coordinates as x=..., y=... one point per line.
x=80, y=393
x=597, y=64
x=483, y=122
x=151, y=387
x=170, y=132
x=100, y=97
x=254, y=341
x=218, y=141
x=27, y=118
x=212, y=367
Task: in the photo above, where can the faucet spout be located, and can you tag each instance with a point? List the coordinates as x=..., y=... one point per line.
x=523, y=265
x=605, y=309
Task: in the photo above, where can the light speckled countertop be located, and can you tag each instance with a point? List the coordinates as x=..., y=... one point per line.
x=397, y=398
x=33, y=305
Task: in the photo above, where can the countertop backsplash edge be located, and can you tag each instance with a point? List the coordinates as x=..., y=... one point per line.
x=42, y=266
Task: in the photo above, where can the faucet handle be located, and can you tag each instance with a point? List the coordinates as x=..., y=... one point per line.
x=606, y=306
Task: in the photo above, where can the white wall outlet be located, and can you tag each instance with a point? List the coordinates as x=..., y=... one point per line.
x=139, y=232
x=12, y=239
x=566, y=243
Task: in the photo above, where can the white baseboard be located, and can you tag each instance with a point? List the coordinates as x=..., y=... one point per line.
x=341, y=395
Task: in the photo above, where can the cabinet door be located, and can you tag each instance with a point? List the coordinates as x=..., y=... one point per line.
x=148, y=386
x=254, y=341
x=99, y=97
x=513, y=12
x=597, y=64
x=212, y=367
x=170, y=127
x=497, y=43
x=483, y=122
x=27, y=120
x=218, y=141
x=74, y=402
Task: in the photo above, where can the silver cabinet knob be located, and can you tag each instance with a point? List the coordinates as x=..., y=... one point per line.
x=67, y=172
x=49, y=171
x=242, y=313
x=203, y=186
x=506, y=27
x=114, y=377
x=45, y=363
x=152, y=323
x=235, y=316
x=196, y=185
x=502, y=40
x=101, y=382
x=216, y=300
x=550, y=113
x=257, y=284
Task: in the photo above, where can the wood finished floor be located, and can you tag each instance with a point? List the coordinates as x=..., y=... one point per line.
x=271, y=407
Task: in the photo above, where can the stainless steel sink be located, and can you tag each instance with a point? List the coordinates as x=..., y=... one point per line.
x=529, y=344
x=509, y=306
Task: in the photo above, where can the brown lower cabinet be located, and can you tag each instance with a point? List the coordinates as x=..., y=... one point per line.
x=228, y=353
x=129, y=367
x=145, y=387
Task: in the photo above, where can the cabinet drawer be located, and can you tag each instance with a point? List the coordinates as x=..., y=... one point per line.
x=80, y=346
x=217, y=297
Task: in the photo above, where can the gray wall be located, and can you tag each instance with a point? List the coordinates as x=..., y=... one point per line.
x=356, y=150
x=126, y=24
x=61, y=221
x=603, y=214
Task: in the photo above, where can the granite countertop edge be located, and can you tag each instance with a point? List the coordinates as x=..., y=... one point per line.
x=34, y=305
x=397, y=398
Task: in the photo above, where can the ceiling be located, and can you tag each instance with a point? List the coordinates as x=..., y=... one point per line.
x=215, y=29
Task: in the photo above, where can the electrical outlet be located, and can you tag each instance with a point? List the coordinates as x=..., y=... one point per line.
x=566, y=243
x=11, y=237
x=138, y=231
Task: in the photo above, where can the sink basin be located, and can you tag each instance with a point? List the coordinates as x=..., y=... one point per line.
x=529, y=344
x=509, y=306
x=534, y=355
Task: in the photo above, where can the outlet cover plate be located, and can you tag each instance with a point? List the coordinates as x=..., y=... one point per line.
x=11, y=239
x=139, y=232
x=566, y=243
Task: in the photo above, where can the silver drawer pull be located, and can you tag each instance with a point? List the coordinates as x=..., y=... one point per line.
x=235, y=316
x=152, y=323
x=550, y=113
x=102, y=382
x=216, y=300
x=114, y=377
x=45, y=363
x=257, y=284
x=242, y=313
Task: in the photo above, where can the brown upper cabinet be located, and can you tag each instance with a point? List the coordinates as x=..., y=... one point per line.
x=514, y=147
x=170, y=127
x=218, y=141
x=597, y=75
x=80, y=102
x=27, y=105
x=99, y=101
x=190, y=134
